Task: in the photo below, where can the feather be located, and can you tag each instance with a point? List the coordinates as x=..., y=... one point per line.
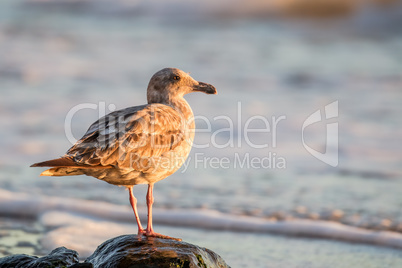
x=140, y=131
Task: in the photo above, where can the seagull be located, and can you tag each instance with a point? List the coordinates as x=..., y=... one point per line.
x=138, y=145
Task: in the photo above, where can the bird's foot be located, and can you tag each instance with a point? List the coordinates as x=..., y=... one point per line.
x=141, y=232
x=153, y=234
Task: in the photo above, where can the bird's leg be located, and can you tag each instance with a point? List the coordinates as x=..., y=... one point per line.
x=150, y=202
x=133, y=202
x=150, y=230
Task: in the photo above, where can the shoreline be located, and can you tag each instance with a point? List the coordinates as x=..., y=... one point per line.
x=238, y=249
x=56, y=213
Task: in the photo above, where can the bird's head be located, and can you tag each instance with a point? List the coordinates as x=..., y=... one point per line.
x=170, y=83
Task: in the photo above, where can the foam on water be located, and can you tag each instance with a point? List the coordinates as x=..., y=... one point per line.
x=65, y=217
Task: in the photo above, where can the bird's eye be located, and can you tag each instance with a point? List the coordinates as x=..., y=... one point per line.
x=176, y=77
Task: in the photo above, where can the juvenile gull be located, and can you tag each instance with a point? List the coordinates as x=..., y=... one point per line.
x=138, y=145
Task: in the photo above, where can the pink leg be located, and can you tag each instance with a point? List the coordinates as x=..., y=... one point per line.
x=133, y=202
x=150, y=202
x=150, y=230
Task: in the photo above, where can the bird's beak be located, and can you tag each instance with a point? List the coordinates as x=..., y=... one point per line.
x=206, y=88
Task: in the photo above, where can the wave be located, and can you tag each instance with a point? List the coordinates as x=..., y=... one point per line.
x=65, y=214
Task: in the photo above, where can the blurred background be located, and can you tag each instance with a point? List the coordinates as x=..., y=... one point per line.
x=272, y=59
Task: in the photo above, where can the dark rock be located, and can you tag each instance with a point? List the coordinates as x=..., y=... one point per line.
x=82, y=265
x=131, y=251
x=124, y=251
x=59, y=258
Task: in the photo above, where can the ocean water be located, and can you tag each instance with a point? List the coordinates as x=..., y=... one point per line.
x=64, y=65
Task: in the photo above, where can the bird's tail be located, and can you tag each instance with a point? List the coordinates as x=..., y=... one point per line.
x=65, y=166
x=62, y=171
x=59, y=162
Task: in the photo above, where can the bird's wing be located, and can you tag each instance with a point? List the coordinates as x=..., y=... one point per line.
x=125, y=138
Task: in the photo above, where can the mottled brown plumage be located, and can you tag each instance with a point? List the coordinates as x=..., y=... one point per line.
x=137, y=145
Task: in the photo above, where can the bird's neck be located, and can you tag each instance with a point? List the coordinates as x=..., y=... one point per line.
x=177, y=102
x=182, y=106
